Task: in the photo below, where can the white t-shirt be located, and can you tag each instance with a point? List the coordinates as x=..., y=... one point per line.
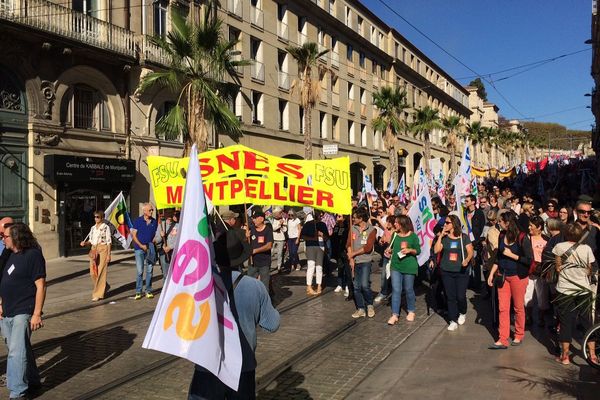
x=100, y=234
x=292, y=228
x=575, y=270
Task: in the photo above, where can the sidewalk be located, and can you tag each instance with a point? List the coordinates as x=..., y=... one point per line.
x=435, y=363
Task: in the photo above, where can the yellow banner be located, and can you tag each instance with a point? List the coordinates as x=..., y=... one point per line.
x=493, y=172
x=237, y=174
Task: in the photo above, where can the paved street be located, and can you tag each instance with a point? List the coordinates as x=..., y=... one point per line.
x=91, y=350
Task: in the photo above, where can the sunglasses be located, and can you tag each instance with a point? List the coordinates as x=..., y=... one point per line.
x=447, y=223
x=97, y=217
x=584, y=212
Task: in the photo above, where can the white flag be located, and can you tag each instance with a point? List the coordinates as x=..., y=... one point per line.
x=193, y=318
x=117, y=218
x=421, y=215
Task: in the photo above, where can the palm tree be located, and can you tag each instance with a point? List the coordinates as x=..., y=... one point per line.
x=390, y=103
x=473, y=134
x=307, y=57
x=200, y=62
x=426, y=120
x=453, y=125
x=488, y=137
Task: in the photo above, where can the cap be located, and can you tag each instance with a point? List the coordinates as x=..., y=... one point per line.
x=258, y=213
x=277, y=209
x=229, y=214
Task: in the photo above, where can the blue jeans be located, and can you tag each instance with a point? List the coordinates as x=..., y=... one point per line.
x=293, y=252
x=140, y=264
x=400, y=281
x=164, y=264
x=21, y=370
x=362, y=285
x=385, y=288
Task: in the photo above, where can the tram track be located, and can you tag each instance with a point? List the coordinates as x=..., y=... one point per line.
x=262, y=381
x=167, y=361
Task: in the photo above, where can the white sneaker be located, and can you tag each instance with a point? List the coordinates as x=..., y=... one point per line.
x=453, y=326
x=346, y=292
x=338, y=289
x=462, y=318
x=360, y=313
x=378, y=299
x=370, y=311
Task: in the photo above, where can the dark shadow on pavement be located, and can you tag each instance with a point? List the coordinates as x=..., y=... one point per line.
x=79, y=354
x=285, y=386
x=567, y=384
x=483, y=308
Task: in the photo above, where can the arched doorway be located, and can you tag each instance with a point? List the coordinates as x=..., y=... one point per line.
x=416, y=161
x=14, y=163
x=378, y=182
x=402, y=162
x=356, y=176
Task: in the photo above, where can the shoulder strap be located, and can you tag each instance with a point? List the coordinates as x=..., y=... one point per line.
x=571, y=249
x=237, y=281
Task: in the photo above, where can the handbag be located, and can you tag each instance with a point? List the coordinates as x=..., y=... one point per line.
x=94, y=257
x=388, y=266
x=499, y=280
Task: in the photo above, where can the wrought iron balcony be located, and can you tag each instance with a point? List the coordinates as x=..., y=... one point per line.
x=284, y=80
x=62, y=21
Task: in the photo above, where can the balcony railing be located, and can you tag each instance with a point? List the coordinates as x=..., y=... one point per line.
x=363, y=110
x=150, y=52
x=335, y=100
x=335, y=59
x=235, y=7
x=257, y=17
x=284, y=80
x=63, y=21
x=350, y=105
x=282, y=31
x=302, y=38
x=258, y=71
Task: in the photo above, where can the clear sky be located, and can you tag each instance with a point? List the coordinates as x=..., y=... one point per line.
x=494, y=35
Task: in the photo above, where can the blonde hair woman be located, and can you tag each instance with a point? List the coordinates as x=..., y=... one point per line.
x=100, y=239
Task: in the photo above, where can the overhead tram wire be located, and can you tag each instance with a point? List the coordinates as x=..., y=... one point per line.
x=535, y=63
x=452, y=56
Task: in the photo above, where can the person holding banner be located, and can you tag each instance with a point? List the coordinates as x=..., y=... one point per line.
x=315, y=235
x=456, y=254
x=251, y=306
x=100, y=239
x=361, y=242
x=144, y=230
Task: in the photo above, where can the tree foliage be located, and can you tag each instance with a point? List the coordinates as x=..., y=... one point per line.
x=560, y=137
x=481, y=92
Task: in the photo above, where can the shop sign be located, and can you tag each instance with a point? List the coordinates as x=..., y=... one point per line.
x=63, y=168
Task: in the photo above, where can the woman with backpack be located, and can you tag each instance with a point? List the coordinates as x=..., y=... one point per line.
x=510, y=273
x=455, y=253
x=403, y=251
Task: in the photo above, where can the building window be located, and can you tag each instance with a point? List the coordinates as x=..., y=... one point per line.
x=301, y=119
x=335, y=128
x=360, y=25
x=161, y=8
x=281, y=12
x=349, y=51
x=88, y=110
x=361, y=59
x=374, y=67
x=350, y=132
x=161, y=113
x=284, y=117
x=363, y=96
x=350, y=91
x=302, y=25
x=363, y=135
x=332, y=7
x=323, y=124
x=257, y=108
x=87, y=7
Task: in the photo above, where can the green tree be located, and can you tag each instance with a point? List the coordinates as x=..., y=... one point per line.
x=453, y=126
x=488, y=138
x=426, y=120
x=390, y=103
x=202, y=72
x=481, y=92
x=473, y=133
x=307, y=57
